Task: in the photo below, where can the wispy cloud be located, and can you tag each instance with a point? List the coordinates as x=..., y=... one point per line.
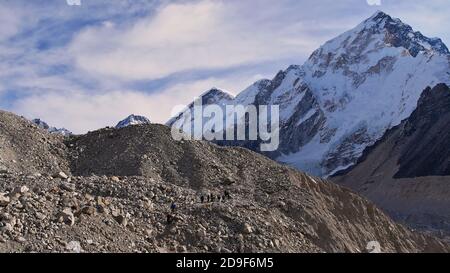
x=183, y=37
x=86, y=67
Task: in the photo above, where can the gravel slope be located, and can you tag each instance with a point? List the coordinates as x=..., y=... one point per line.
x=117, y=197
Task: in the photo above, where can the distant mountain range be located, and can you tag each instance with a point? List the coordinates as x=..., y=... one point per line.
x=128, y=121
x=347, y=94
x=43, y=125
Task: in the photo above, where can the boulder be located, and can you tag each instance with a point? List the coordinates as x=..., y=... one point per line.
x=67, y=217
x=4, y=200
x=247, y=229
x=61, y=175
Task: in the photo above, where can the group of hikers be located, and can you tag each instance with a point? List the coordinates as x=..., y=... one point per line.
x=212, y=197
x=209, y=198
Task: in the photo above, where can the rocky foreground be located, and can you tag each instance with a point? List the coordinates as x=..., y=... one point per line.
x=112, y=191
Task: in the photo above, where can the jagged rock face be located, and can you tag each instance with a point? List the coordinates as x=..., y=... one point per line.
x=132, y=120
x=300, y=115
x=428, y=134
x=406, y=171
x=349, y=92
x=303, y=125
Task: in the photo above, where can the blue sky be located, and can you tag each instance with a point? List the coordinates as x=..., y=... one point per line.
x=85, y=67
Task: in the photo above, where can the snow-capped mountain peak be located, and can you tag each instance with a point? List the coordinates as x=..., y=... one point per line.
x=40, y=123
x=132, y=120
x=215, y=96
x=349, y=92
x=400, y=34
x=212, y=96
x=378, y=32
x=366, y=81
x=43, y=125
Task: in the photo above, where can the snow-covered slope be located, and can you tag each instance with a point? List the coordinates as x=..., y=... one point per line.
x=43, y=125
x=213, y=96
x=366, y=81
x=132, y=120
x=349, y=92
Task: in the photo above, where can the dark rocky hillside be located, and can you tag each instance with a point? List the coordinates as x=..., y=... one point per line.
x=25, y=148
x=426, y=151
x=407, y=171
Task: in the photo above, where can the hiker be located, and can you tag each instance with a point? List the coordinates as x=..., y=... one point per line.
x=202, y=199
x=173, y=206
